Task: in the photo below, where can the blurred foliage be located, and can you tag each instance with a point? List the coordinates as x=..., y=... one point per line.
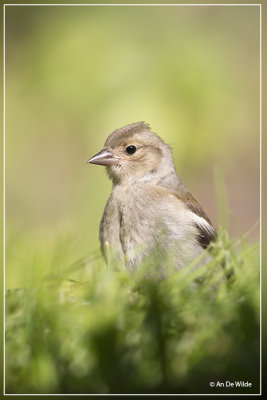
x=74, y=74
x=90, y=329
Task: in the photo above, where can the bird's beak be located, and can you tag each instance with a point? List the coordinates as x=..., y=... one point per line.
x=104, y=157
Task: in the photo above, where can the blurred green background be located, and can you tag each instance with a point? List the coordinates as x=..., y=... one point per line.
x=74, y=74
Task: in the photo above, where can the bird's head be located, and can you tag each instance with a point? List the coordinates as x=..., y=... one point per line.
x=134, y=153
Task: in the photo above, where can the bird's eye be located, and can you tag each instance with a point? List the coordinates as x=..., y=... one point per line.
x=130, y=149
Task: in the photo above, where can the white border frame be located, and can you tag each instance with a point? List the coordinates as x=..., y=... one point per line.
x=132, y=5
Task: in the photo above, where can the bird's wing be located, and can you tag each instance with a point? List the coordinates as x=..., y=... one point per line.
x=204, y=226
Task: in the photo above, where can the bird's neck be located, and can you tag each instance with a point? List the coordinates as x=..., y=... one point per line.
x=167, y=178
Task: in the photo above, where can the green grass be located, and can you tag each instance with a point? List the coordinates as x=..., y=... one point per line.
x=88, y=328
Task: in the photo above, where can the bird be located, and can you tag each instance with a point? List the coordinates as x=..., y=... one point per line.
x=150, y=210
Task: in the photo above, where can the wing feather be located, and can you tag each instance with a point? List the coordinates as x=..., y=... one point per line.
x=203, y=224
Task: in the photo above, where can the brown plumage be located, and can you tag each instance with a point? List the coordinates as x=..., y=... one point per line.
x=149, y=207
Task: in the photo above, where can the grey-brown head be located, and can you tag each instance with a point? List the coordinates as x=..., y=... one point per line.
x=134, y=153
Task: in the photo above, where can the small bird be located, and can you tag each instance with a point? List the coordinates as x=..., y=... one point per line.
x=149, y=209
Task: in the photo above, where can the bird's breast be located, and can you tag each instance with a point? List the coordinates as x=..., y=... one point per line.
x=142, y=219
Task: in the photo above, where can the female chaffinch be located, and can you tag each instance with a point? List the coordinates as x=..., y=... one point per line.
x=149, y=209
